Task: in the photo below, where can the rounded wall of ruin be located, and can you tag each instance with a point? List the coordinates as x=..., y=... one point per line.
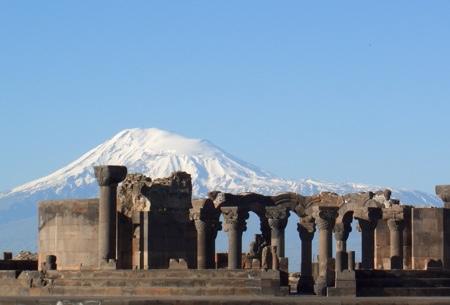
x=68, y=229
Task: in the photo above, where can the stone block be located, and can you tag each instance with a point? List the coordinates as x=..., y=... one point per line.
x=221, y=260
x=7, y=256
x=256, y=264
x=178, y=263
x=270, y=282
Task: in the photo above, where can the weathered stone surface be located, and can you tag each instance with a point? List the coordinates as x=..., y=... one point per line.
x=69, y=230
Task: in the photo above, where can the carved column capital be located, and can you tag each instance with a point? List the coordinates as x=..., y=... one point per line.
x=396, y=224
x=368, y=218
x=206, y=220
x=277, y=217
x=306, y=228
x=109, y=175
x=342, y=230
x=325, y=217
x=234, y=218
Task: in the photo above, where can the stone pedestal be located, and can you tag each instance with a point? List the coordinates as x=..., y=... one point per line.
x=306, y=229
x=234, y=224
x=108, y=177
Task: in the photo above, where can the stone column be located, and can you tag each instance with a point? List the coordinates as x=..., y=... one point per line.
x=207, y=226
x=108, y=177
x=234, y=224
x=277, y=218
x=306, y=229
x=200, y=226
x=396, y=235
x=213, y=227
x=367, y=229
x=341, y=231
x=367, y=222
x=325, y=218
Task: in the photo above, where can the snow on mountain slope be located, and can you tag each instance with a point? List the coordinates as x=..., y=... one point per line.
x=158, y=153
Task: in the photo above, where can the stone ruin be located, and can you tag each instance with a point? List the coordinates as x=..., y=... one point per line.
x=151, y=231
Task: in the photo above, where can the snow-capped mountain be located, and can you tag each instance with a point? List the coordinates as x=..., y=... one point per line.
x=157, y=153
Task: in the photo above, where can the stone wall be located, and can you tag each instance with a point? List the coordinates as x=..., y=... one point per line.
x=69, y=230
x=431, y=233
x=154, y=224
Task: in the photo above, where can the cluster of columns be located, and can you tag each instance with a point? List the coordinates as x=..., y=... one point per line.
x=325, y=219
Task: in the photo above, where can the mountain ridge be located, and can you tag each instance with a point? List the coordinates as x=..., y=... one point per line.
x=157, y=153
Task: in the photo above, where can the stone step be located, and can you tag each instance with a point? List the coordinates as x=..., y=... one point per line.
x=142, y=291
x=375, y=274
x=155, y=273
x=404, y=282
x=157, y=282
x=405, y=291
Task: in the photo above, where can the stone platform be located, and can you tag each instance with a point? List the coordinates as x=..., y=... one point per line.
x=403, y=283
x=224, y=300
x=143, y=283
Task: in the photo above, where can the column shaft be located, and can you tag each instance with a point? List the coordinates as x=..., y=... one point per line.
x=368, y=248
x=324, y=251
x=396, y=239
x=107, y=223
x=367, y=227
x=234, y=248
x=306, y=229
x=201, y=244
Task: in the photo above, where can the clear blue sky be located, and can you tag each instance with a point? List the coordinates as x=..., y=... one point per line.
x=337, y=90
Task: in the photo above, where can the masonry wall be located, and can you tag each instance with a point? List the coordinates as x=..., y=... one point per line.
x=430, y=232
x=69, y=230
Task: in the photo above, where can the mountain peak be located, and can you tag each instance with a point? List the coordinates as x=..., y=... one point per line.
x=154, y=140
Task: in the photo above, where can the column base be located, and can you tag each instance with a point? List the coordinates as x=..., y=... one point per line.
x=305, y=285
x=320, y=287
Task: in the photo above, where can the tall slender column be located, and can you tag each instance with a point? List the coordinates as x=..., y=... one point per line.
x=108, y=177
x=325, y=218
x=367, y=229
x=396, y=235
x=207, y=226
x=234, y=224
x=200, y=226
x=277, y=218
x=367, y=222
x=213, y=227
x=341, y=231
x=306, y=229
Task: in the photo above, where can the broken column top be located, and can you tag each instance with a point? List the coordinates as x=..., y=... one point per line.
x=110, y=174
x=443, y=191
